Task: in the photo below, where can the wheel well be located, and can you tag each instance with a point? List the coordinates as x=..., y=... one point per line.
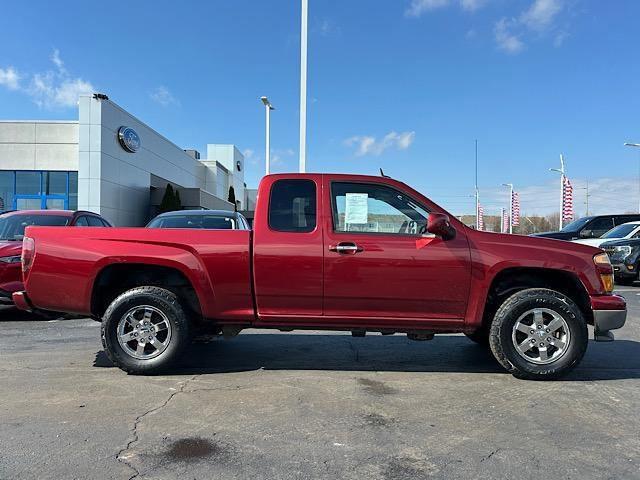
x=512, y=280
x=116, y=279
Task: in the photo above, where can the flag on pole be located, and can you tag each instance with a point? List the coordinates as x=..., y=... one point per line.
x=505, y=221
x=515, y=209
x=480, y=217
x=567, y=200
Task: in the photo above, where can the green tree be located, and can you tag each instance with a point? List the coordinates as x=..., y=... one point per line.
x=232, y=197
x=177, y=201
x=170, y=200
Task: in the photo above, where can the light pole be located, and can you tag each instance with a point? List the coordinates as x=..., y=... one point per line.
x=637, y=145
x=267, y=147
x=561, y=172
x=477, y=192
x=510, y=185
x=303, y=85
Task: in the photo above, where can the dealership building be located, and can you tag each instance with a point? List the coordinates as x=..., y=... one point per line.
x=111, y=163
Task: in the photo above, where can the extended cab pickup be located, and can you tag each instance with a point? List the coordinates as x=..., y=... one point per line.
x=335, y=252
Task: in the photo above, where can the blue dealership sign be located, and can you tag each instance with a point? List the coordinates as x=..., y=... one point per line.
x=129, y=139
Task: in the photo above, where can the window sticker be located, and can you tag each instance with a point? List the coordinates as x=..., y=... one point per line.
x=356, y=208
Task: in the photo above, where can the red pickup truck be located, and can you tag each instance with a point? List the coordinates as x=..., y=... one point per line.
x=333, y=252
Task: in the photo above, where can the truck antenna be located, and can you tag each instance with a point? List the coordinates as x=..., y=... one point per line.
x=382, y=174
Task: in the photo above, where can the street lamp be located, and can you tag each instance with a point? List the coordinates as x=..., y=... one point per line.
x=267, y=152
x=561, y=172
x=303, y=85
x=510, y=185
x=628, y=144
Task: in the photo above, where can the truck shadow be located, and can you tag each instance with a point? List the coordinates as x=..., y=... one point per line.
x=446, y=354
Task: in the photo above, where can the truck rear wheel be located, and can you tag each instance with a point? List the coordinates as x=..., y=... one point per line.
x=145, y=330
x=538, y=334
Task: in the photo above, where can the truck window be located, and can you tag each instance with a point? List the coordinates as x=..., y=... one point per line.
x=373, y=208
x=292, y=206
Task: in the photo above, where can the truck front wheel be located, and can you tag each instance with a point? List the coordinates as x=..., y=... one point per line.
x=538, y=334
x=145, y=330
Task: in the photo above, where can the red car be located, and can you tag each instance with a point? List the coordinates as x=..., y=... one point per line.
x=12, y=225
x=335, y=252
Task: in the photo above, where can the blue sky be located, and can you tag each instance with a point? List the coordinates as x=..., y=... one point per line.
x=406, y=85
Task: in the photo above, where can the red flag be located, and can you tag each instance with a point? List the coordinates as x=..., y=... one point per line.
x=480, y=217
x=515, y=209
x=505, y=221
x=567, y=200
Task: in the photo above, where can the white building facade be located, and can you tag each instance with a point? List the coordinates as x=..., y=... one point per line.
x=111, y=163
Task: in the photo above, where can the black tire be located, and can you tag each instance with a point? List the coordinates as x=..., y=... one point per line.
x=502, y=327
x=162, y=300
x=480, y=336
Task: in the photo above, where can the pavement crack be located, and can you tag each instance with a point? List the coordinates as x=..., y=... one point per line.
x=124, y=459
x=487, y=457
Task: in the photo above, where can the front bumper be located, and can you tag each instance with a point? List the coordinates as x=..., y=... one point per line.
x=22, y=301
x=5, y=297
x=621, y=270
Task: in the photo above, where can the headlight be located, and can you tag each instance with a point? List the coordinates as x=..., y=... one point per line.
x=623, y=251
x=12, y=259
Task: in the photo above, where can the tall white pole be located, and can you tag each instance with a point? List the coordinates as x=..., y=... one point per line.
x=303, y=86
x=637, y=145
x=267, y=148
x=477, y=192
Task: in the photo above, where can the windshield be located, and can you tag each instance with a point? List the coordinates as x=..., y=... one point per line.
x=214, y=222
x=621, y=231
x=576, y=225
x=12, y=226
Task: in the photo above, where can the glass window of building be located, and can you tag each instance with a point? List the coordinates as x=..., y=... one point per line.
x=28, y=183
x=6, y=190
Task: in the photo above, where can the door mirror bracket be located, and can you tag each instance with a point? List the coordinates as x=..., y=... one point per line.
x=439, y=225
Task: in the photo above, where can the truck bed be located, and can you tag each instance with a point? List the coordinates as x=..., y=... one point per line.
x=68, y=261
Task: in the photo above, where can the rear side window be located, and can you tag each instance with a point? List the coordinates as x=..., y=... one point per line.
x=82, y=222
x=95, y=222
x=292, y=206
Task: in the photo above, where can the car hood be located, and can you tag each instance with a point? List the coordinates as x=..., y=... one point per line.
x=633, y=242
x=9, y=248
x=594, y=242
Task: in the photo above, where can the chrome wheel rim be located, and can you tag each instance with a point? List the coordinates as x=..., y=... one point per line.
x=144, y=332
x=541, y=336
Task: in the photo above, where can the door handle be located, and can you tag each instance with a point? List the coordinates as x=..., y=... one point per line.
x=346, y=247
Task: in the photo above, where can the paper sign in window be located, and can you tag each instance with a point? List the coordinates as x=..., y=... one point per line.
x=356, y=208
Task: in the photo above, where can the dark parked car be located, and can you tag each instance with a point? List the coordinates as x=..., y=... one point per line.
x=207, y=219
x=12, y=225
x=625, y=259
x=590, y=227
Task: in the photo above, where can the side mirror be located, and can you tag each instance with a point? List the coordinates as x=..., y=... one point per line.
x=586, y=233
x=438, y=224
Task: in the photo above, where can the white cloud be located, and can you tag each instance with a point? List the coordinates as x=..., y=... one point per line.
x=163, y=96
x=368, y=145
x=250, y=156
x=472, y=5
x=505, y=39
x=418, y=7
x=538, y=18
x=10, y=78
x=49, y=89
x=541, y=14
x=57, y=61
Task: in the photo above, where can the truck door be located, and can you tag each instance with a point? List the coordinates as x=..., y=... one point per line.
x=288, y=248
x=377, y=264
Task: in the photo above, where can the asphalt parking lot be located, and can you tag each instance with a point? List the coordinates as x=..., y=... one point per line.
x=312, y=405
